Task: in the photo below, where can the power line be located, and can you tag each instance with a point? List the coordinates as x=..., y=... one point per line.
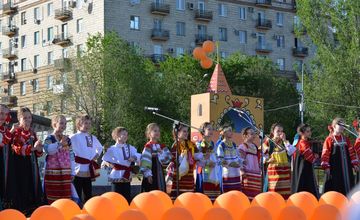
x=333, y=104
x=281, y=108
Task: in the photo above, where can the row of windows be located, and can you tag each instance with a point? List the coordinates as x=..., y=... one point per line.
x=37, y=13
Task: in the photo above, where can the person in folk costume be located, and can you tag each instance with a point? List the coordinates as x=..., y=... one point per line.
x=185, y=150
x=251, y=171
x=356, y=126
x=230, y=160
x=59, y=169
x=277, y=152
x=26, y=148
x=154, y=156
x=207, y=163
x=119, y=158
x=338, y=159
x=87, y=149
x=5, y=140
x=303, y=177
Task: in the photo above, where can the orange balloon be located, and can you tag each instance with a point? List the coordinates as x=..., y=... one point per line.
x=83, y=217
x=47, y=212
x=234, y=201
x=270, y=202
x=304, y=202
x=100, y=208
x=310, y=196
x=177, y=213
x=278, y=197
x=217, y=214
x=11, y=214
x=149, y=204
x=132, y=214
x=68, y=208
x=327, y=212
x=164, y=197
x=208, y=46
x=256, y=213
x=118, y=201
x=206, y=63
x=293, y=213
x=192, y=203
x=334, y=198
x=204, y=199
x=199, y=53
x=355, y=198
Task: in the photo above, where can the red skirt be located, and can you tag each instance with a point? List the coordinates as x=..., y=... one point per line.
x=251, y=185
x=186, y=184
x=211, y=190
x=231, y=183
x=57, y=184
x=280, y=180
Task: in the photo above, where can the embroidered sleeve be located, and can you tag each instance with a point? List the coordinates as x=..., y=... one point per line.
x=146, y=161
x=7, y=136
x=19, y=146
x=50, y=148
x=353, y=157
x=165, y=156
x=326, y=152
x=305, y=150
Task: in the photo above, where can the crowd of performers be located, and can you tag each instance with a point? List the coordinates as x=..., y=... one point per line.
x=205, y=166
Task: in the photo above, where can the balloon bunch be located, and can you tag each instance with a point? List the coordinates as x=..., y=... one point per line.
x=200, y=53
x=234, y=205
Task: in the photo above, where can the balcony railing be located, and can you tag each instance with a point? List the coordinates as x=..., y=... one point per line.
x=10, y=101
x=63, y=64
x=160, y=34
x=157, y=58
x=63, y=14
x=263, y=24
x=300, y=51
x=9, y=77
x=9, y=31
x=201, y=38
x=10, y=54
x=9, y=8
x=263, y=3
x=62, y=40
x=263, y=48
x=160, y=8
x=203, y=15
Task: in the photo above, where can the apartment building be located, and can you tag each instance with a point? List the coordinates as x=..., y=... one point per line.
x=39, y=36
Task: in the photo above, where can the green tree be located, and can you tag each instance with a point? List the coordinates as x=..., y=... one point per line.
x=333, y=27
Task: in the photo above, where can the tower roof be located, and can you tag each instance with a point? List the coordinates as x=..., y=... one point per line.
x=218, y=83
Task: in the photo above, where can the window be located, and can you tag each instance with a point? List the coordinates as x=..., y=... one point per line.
x=37, y=13
x=23, y=41
x=0, y=48
x=36, y=37
x=222, y=10
x=179, y=51
x=222, y=34
x=36, y=108
x=23, y=18
x=22, y=88
x=243, y=37
x=134, y=22
x=23, y=64
x=11, y=90
x=36, y=85
x=78, y=76
x=50, y=34
x=242, y=13
x=65, y=53
x=50, y=58
x=180, y=5
x=36, y=61
x=223, y=54
x=281, y=63
x=158, y=49
x=50, y=9
x=49, y=107
x=49, y=82
x=1, y=70
x=298, y=65
x=79, y=49
x=280, y=18
x=280, y=41
x=199, y=110
x=79, y=25
x=180, y=28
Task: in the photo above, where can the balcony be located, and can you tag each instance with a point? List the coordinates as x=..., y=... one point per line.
x=298, y=28
x=62, y=40
x=203, y=15
x=10, y=100
x=157, y=58
x=63, y=64
x=10, y=30
x=63, y=14
x=10, y=54
x=263, y=48
x=9, y=8
x=9, y=77
x=300, y=51
x=264, y=24
x=160, y=8
x=263, y=3
x=159, y=34
x=201, y=38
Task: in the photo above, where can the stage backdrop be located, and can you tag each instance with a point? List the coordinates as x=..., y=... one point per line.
x=218, y=104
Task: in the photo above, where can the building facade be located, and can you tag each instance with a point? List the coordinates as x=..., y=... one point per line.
x=39, y=36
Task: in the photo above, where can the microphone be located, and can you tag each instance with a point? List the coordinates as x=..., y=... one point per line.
x=344, y=125
x=152, y=109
